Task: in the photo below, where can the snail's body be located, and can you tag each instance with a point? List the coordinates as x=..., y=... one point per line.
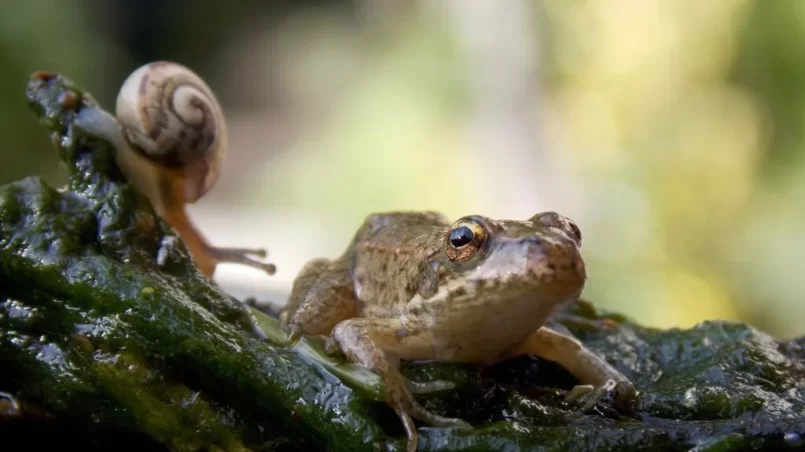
x=171, y=139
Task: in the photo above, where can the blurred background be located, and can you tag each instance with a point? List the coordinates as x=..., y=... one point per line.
x=672, y=131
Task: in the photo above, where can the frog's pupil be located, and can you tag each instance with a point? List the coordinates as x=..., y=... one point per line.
x=461, y=236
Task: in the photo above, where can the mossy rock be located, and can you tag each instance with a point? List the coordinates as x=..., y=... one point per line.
x=110, y=338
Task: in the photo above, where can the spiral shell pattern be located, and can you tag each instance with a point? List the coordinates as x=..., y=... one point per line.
x=171, y=116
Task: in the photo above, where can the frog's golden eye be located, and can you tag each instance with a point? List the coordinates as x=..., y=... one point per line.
x=464, y=239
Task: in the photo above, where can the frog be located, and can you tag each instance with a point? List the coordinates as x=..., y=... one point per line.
x=411, y=285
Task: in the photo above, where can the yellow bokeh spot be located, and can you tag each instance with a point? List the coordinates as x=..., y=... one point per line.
x=690, y=298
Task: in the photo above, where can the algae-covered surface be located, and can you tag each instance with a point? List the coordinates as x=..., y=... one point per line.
x=110, y=338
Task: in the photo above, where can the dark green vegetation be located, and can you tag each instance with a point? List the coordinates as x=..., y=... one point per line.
x=108, y=332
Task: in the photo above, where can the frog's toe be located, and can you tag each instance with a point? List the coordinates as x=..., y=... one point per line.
x=452, y=422
x=621, y=393
x=410, y=431
x=294, y=334
x=429, y=387
x=447, y=422
x=439, y=421
x=331, y=347
x=578, y=392
x=586, y=396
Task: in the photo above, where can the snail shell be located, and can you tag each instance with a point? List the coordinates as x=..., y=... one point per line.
x=172, y=121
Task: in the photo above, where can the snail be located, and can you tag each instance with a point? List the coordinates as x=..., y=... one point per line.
x=171, y=139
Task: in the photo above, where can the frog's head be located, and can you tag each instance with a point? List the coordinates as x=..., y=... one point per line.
x=513, y=258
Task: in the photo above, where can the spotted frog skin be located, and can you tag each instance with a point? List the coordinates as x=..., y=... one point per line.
x=413, y=286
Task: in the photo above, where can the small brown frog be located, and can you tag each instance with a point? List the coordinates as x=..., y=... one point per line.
x=411, y=286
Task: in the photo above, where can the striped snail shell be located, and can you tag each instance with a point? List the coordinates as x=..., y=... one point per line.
x=170, y=116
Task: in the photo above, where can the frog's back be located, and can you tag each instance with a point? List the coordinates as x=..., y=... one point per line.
x=388, y=254
x=379, y=223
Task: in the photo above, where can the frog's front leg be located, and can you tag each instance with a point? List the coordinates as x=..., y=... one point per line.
x=372, y=343
x=322, y=295
x=598, y=377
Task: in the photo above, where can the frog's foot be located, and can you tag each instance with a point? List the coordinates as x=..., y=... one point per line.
x=579, y=392
x=587, y=396
x=428, y=387
x=418, y=412
x=407, y=408
x=294, y=334
x=332, y=348
x=372, y=343
x=599, y=380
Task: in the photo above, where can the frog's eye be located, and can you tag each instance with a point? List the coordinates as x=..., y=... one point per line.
x=464, y=239
x=461, y=236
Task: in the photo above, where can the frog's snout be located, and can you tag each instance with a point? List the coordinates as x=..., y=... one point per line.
x=556, y=262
